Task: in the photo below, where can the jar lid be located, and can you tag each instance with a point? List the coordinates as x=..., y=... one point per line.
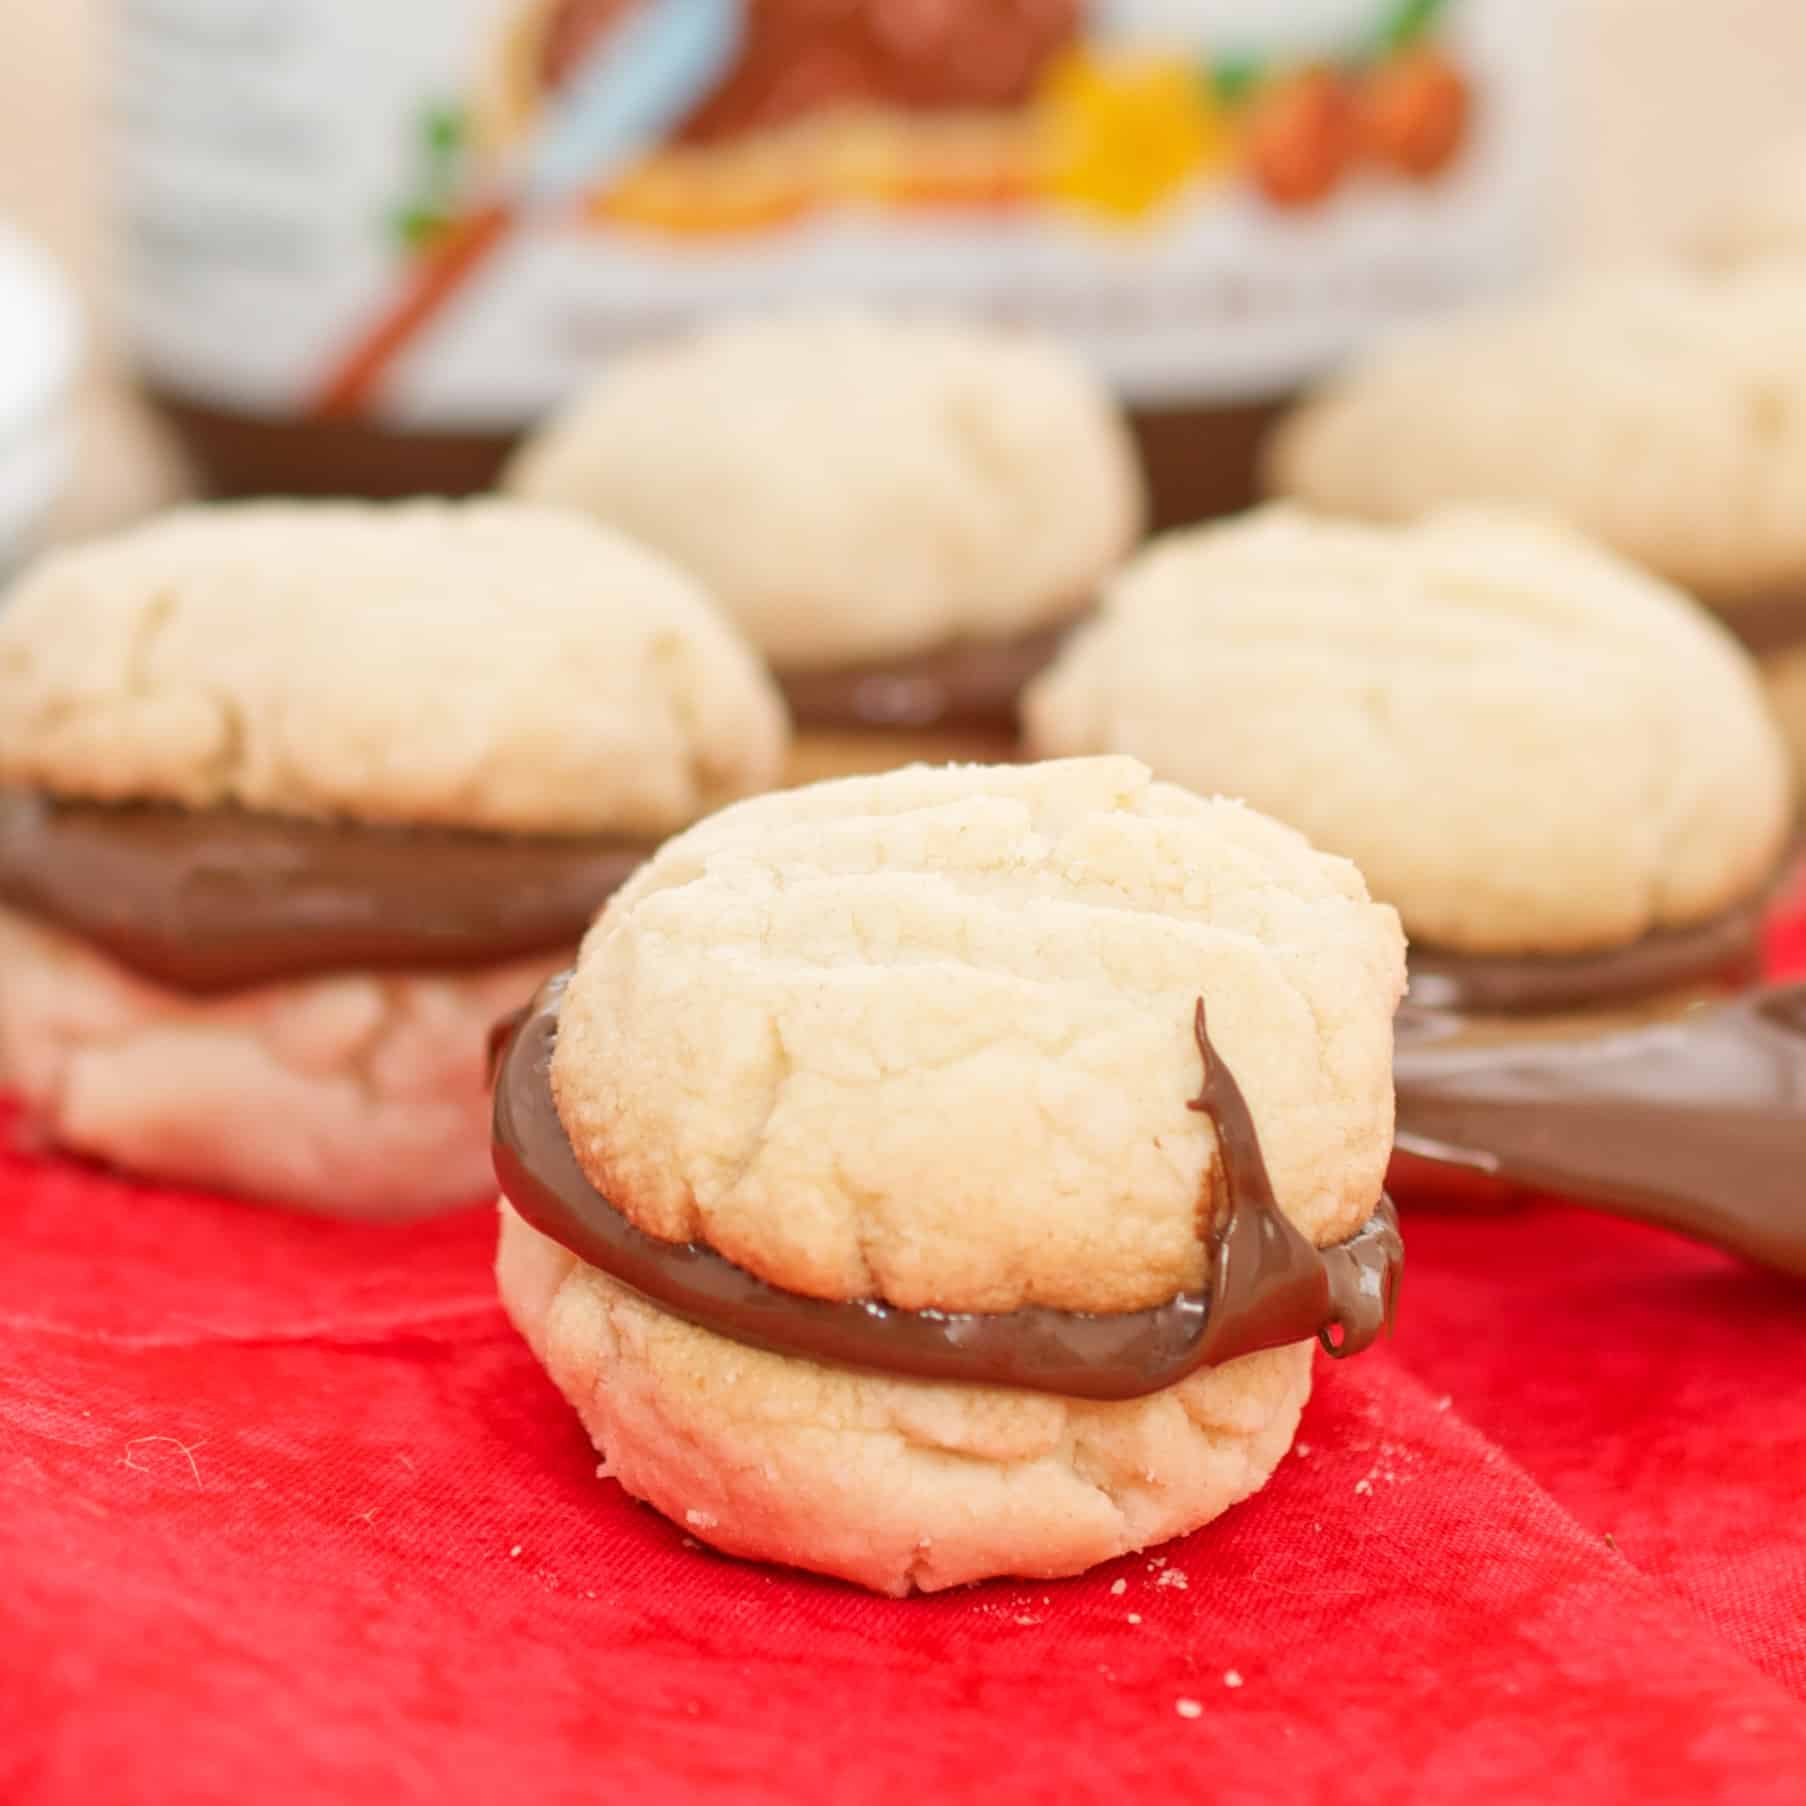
x=40, y=339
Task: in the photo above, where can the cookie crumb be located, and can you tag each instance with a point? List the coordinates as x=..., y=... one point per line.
x=703, y=1520
x=1173, y=1577
x=1119, y=1587
x=1135, y=1617
x=1232, y=1677
x=1188, y=1708
x=1364, y=1486
x=514, y=1553
x=1611, y=1542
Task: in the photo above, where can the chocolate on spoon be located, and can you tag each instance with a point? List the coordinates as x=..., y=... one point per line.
x=1695, y=1121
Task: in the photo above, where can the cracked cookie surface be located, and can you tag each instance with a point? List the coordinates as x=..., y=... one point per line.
x=480, y=665
x=928, y=1036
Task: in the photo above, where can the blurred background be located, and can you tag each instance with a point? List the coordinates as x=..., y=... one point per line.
x=1657, y=106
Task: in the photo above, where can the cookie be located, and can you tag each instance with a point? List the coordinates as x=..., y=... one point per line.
x=293, y=798
x=1558, y=768
x=1662, y=414
x=901, y=514
x=904, y=1118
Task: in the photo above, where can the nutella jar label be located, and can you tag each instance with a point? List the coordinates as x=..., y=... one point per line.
x=440, y=214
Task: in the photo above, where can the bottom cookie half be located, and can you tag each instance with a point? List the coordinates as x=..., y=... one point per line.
x=353, y=1094
x=891, y=1483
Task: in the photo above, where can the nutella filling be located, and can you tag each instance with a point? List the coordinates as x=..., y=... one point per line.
x=1694, y=1120
x=207, y=900
x=1268, y=1285
x=1768, y=624
x=1726, y=950
x=965, y=684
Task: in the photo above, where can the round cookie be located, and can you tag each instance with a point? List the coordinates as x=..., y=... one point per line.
x=1662, y=414
x=927, y=1041
x=296, y=798
x=1528, y=746
x=902, y=514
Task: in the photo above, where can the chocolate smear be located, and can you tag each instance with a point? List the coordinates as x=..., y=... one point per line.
x=1725, y=950
x=969, y=683
x=209, y=900
x=1695, y=1120
x=1768, y=624
x=1269, y=1285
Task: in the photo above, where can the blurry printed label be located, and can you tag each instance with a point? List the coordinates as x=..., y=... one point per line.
x=444, y=212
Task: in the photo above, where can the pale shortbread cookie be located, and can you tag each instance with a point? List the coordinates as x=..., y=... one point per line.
x=1664, y=414
x=856, y=488
x=928, y=1036
x=353, y=1094
x=1524, y=743
x=485, y=665
x=894, y=1484
x=1786, y=676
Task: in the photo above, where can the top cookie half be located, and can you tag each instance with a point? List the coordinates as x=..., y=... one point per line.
x=929, y=1037
x=1663, y=414
x=486, y=665
x=855, y=488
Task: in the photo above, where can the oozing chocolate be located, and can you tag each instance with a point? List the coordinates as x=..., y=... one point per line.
x=208, y=900
x=1269, y=1285
x=1725, y=950
x=1695, y=1121
x=970, y=683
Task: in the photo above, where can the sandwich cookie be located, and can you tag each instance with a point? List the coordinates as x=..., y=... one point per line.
x=294, y=799
x=950, y=1173
x=903, y=515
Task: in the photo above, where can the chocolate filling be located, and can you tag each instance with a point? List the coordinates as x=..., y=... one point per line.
x=1726, y=950
x=971, y=683
x=1695, y=1120
x=1269, y=1285
x=1768, y=624
x=208, y=900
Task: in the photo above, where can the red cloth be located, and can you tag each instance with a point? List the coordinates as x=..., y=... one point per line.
x=288, y=1514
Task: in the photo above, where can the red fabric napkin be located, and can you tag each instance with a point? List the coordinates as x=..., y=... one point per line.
x=287, y=1513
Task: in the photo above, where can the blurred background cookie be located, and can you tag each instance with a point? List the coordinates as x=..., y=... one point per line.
x=1558, y=768
x=300, y=798
x=901, y=515
x=933, y=1043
